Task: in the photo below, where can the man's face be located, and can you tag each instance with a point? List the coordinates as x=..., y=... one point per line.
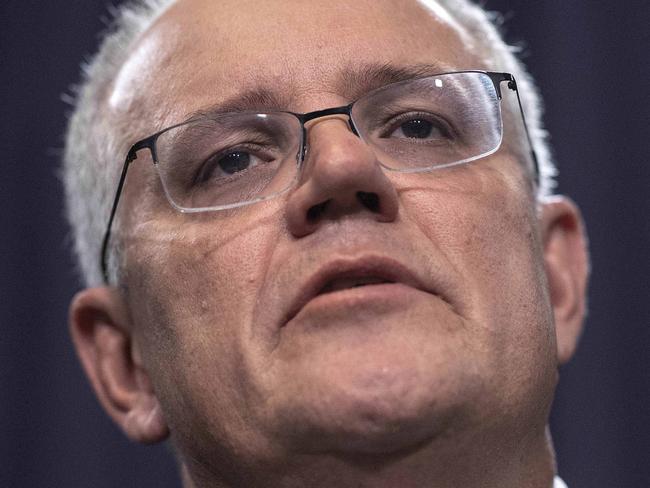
x=250, y=323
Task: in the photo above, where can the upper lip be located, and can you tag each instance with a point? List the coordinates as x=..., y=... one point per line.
x=364, y=268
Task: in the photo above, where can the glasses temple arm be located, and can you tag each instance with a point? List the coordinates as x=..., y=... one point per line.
x=131, y=156
x=512, y=84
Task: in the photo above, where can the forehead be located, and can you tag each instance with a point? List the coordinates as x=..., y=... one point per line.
x=200, y=52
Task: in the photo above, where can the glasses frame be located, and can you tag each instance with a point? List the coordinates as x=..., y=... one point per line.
x=149, y=143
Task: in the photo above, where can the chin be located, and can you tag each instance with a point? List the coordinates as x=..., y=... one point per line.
x=371, y=410
x=367, y=383
x=384, y=429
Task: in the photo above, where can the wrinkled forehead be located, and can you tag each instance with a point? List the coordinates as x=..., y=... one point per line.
x=307, y=54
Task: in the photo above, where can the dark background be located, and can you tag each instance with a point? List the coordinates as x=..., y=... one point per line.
x=590, y=58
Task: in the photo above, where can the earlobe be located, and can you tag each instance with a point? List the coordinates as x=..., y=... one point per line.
x=567, y=268
x=102, y=334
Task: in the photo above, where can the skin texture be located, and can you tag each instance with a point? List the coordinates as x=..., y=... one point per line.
x=445, y=383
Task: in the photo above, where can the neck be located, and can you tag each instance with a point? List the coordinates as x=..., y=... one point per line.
x=441, y=463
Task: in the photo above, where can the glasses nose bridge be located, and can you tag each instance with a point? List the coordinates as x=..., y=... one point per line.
x=327, y=112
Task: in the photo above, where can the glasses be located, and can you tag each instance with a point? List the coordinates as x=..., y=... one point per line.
x=229, y=160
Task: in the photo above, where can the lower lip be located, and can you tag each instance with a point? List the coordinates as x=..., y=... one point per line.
x=381, y=296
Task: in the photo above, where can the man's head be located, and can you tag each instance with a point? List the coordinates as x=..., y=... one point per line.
x=408, y=322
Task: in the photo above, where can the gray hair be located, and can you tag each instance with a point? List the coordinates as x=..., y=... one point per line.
x=92, y=143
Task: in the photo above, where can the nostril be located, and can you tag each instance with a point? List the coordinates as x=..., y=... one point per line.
x=369, y=200
x=314, y=212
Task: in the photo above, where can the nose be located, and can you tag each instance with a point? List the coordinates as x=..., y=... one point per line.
x=341, y=176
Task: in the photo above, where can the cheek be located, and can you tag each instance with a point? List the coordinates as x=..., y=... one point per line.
x=483, y=220
x=498, y=249
x=201, y=270
x=193, y=283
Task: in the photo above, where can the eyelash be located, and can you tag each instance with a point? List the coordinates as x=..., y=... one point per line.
x=395, y=121
x=209, y=164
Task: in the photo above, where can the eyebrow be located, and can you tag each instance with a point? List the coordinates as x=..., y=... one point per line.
x=352, y=83
x=356, y=81
x=256, y=99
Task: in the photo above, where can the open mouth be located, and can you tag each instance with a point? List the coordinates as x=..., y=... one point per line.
x=345, y=283
x=349, y=274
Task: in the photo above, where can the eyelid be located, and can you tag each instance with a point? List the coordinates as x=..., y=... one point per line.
x=393, y=123
x=213, y=159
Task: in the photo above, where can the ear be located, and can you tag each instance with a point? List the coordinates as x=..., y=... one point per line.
x=567, y=269
x=102, y=335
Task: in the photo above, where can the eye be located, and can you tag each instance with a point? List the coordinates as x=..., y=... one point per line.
x=416, y=129
x=234, y=162
x=231, y=163
x=418, y=126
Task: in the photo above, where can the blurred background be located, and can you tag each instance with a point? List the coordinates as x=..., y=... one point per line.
x=591, y=60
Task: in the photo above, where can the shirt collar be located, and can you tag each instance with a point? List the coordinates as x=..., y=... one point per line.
x=558, y=483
